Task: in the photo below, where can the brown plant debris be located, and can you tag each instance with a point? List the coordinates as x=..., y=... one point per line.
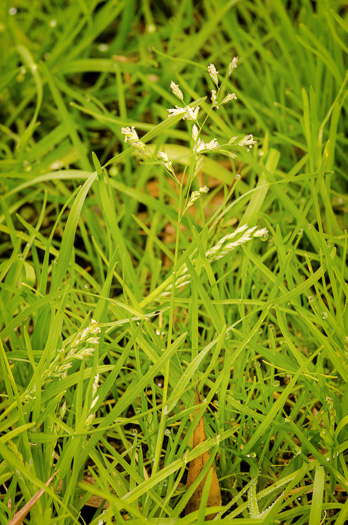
x=194, y=469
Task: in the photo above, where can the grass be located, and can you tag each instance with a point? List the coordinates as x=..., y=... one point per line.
x=90, y=230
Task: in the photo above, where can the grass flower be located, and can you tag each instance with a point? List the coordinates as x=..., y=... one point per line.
x=213, y=74
x=176, y=111
x=187, y=112
x=65, y=357
x=198, y=165
x=232, y=65
x=195, y=132
x=95, y=398
x=195, y=195
x=131, y=136
x=248, y=140
x=202, y=146
x=230, y=96
x=223, y=247
x=176, y=90
x=166, y=163
x=191, y=113
x=261, y=233
x=214, y=99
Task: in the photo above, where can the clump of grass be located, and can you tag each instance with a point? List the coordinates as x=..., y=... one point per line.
x=239, y=289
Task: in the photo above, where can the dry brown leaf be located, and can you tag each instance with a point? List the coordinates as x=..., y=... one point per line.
x=19, y=516
x=194, y=469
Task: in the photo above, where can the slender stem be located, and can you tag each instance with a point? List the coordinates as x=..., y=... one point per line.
x=169, y=342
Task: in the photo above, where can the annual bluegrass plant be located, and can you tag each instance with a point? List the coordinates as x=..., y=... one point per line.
x=196, y=159
x=189, y=258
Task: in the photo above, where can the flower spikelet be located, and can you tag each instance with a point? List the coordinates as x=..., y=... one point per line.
x=213, y=74
x=202, y=146
x=166, y=163
x=195, y=195
x=261, y=233
x=232, y=65
x=131, y=136
x=191, y=113
x=214, y=99
x=187, y=112
x=230, y=96
x=176, y=90
x=198, y=165
x=195, y=132
x=95, y=399
x=64, y=360
x=248, y=140
x=225, y=246
x=176, y=111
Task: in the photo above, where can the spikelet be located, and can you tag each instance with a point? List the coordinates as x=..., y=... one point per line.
x=176, y=90
x=195, y=195
x=223, y=247
x=213, y=74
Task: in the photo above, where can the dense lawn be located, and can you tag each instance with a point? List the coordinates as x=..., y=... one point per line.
x=178, y=269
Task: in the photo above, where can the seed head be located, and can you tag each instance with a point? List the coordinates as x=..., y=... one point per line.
x=176, y=90
x=132, y=137
x=176, y=111
x=191, y=114
x=196, y=195
x=130, y=134
x=202, y=146
x=232, y=65
x=248, y=140
x=198, y=165
x=166, y=163
x=187, y=112
x=261, y=233
x=214, y=99
x=230, y=96
x=213, y=74
x=195, y=132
